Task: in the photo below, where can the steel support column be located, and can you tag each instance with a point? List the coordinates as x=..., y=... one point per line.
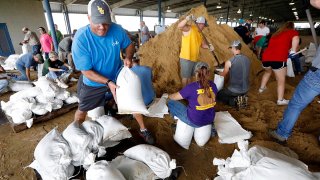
x=313, y=32
x=66, y=17
x=159, y=12
x=51, y=24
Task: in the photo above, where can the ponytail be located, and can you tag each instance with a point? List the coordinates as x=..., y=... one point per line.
x=202, y=76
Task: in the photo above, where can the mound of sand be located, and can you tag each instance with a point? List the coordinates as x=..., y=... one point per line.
x=162, y=52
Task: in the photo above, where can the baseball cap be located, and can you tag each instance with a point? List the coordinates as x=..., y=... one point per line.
x=199, y=65
x=236, y=44
x=201, y=19
x=53, y=54
x=99, y=12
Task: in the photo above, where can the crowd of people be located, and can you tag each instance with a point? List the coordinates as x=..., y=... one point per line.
x=95, y=51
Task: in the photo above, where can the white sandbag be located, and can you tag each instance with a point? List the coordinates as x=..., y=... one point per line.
x=101, y=170
x=62, y=94
x=96, y=131
x=19, y=104
x=228, y=129
x=219, y=81
x=129, y=103
x=19, y=85
x=10, y=62
x=48, y=88
x=202, y=134
x=39, y=70
x=41, y=98
x=40, y=109
x=79, y=141
x=72, y=99
x=311, y=53
x=53, y=157
x=157, y=159
x=113, y=130
x=20, y=115
x=30, y=92
x=183, y=134
x=290, y=72
x=56, y=104
x=96, y=112
x=159, y=108
x=26, y=48
x=132, y=169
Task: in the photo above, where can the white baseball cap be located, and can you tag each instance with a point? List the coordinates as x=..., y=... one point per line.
x=201, y=19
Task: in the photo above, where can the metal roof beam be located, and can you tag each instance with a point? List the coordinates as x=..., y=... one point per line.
x=122, y=3
x=67, y=2
x=163, y=4
x=188, y=7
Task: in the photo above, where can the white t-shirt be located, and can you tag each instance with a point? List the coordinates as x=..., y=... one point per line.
x=262, y=31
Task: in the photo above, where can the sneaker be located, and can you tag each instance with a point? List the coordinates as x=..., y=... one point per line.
x=282, y=102
x=262, y=89
x=276, y=136
x=147, y=136
x=61, y=84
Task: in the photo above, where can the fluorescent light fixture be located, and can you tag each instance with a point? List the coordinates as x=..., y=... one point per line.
x=293, y=9
x=269, y=19
x=250, y=14
x=297, y=18
x=168, y=9
x=259, y=17
x=239, y=11
x=295, y=13
x=272, y=20
x=219, y=6
x=291, y=3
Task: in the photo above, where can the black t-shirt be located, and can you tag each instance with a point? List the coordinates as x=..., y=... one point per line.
x=55, y=64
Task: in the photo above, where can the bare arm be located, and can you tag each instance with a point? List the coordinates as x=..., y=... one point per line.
x=295, y=43
x=204, y=45
x=315, y=3
x=175, y=96
x=129, y=54
x=184, y=26
x=226, y=69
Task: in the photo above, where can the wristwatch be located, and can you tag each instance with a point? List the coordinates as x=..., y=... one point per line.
x=108, y=81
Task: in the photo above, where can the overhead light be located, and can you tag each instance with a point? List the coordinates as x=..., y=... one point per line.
x=297, y=18
x=295, y=13
x=259, y=17
x=219, y=6
x=293, y=9
x=234, y=19
x=250, y=14
x=269, y=19
x=168, y=9
x=291, y=3
x=239, y=11
x=272, y=20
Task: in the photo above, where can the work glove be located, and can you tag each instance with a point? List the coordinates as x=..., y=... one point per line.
x=292, y=54
x=190, y=17
x=211, y=48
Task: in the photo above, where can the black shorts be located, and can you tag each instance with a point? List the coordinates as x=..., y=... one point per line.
x=90, y=97
x=274, y=65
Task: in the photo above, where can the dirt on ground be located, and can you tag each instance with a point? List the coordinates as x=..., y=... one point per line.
x=162, y=54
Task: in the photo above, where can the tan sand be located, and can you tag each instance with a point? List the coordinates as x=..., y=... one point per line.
x=161, y=53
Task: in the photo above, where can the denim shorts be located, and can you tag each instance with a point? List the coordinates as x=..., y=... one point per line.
x=187, y=68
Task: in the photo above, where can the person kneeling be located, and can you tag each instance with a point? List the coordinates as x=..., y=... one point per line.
x=57, y=68
x=238, y=67
x=196, y=118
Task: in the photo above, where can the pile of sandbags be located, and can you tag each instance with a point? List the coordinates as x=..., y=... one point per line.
x=262, y=164
x=77, y=146
x=38, y=100
x=164, y=61
x=10, y=62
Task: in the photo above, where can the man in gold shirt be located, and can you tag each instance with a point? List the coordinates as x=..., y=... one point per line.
x=190, y=46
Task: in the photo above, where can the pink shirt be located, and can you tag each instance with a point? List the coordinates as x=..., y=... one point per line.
x=46, y=43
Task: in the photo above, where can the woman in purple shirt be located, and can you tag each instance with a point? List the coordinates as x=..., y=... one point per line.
x=201, y=97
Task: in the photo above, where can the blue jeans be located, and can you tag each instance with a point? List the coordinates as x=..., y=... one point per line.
x=22, y=70
x=3, y=84
x=296, y=62
x=179, y=110
x=306, y=91
x=55, y=74
x=36, y=48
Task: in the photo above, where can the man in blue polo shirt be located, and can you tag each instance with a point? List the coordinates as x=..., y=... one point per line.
x=24, y=63
x=96, y=51
x=145, y=75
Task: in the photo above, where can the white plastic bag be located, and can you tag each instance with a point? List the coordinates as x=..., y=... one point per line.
x=79, y=141
x=62, y=94
x=101, y=170
x=219, y=81
x=113, y=130
x=30, y=92
x=183, y=134
x=56, y=104
x=290, y=72
x=96, y=113
x=96, y=131
x=202, y=134
x=129, y=103
x=19, y=85
x=40, y=109
x=72, y=99
x=158, y=160
x=228, y=129
x=53, y=157
x=10, y=62
x=48, y=88
x=132, y=169
x=159, y=108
